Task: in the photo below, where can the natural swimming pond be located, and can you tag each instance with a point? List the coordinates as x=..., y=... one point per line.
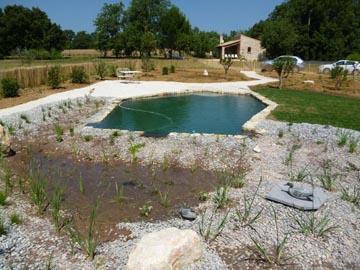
x=193, y=113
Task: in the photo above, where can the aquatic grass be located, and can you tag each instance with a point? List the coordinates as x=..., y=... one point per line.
x=351, y=195
x=81, y=185
x=248, y=216
x=59, y=132
x=55, y=205
x=88, y=242
x=119, y=194
x=208, y=228
x=25, y=118
x=16, y=219
x=276, y=254
x=164, y=198
x=312, y=224
x=221, y=197
x=134, y=149
x=145, y=210
x=38, y=191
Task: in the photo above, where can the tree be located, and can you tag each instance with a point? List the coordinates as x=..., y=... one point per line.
x=69, y=36
x=175, y=28
x=109, y=23
x=327, y=29
x=148, y=43
x=339, y=74
x=23, y=28
x=83, y=40
x=226, y=63
x=279, y=38
x=283, y=67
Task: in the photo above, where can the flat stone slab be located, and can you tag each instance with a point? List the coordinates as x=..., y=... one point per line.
x=279, y=193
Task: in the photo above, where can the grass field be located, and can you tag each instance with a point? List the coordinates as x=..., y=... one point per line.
x=300, y=106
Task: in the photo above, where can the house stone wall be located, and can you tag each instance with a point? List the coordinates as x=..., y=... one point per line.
x=256, y=52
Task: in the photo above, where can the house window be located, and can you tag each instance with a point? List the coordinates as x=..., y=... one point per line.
x=249, y=49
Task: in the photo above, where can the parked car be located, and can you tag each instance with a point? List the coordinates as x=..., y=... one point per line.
x=269, y=64
x=348, y=65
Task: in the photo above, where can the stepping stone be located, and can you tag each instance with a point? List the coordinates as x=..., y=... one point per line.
x=297, y=195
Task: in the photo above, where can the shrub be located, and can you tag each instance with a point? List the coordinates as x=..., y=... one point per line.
x=165, y=71
x=354, y=56
x=283, y=67
x=100, y=69
x=112, y=70
x=172, y=69
x=10, y=87
x=78, y=75
x=54, y=77
x=147, y=64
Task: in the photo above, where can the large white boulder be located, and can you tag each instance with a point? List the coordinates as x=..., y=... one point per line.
x=168, y=249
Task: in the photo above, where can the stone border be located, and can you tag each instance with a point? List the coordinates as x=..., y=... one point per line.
x=249, y=126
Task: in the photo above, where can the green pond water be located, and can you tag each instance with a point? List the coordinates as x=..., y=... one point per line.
x=193, y=113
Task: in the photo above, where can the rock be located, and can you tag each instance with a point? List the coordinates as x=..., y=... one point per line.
x=257, y=149
x=206, y=73
x=187, y=214
x=309, y=82
x=5, y=143
x=168, y=249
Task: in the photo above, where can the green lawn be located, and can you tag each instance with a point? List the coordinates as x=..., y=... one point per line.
x=316, y=108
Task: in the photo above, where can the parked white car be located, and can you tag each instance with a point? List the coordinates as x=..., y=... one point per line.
x=269, y=64
x=350, y=66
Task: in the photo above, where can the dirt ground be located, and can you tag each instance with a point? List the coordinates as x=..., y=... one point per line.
x=322, y=83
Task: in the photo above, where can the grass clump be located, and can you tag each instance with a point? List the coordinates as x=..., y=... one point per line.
x=352, y=196
x=88, y=138
x=343, y=137
x=89, y=241
x=313, y=225
x=203, y=196
x=165, y=71
x=3, y=198
x=275, y=254
x=119, y=194
x=134, y=150
x=101, y=69
x=55, y=204
x=300, y=175
x=353, y=144
x=221, y=197
x=38, y=191
x=172, y=69
x=15, y=219
x=3, y=230
x=234, y=180
x=164, y=198
x=145, y=210
x=208, y=228
x=327, y=178
x=247, y=216
x=25, y=118
x=59, y=132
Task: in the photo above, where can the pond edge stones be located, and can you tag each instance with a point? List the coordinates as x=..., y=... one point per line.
x=168, y=249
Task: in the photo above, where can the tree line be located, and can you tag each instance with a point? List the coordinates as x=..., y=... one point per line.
x=145, y=27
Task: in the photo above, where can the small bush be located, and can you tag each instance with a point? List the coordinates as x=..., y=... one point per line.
x=88, y=138
x=112, y=70
x=78, y=75
x=165, y=71
x=172, y=69
x=54, y=77
x=147, y=64
x=100, y=69
x=10, y=87
x=339, y=74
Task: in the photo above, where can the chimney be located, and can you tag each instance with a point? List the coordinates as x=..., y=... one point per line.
x=221, y=39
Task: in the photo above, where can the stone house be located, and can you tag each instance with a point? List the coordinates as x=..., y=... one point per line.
x=244, y=46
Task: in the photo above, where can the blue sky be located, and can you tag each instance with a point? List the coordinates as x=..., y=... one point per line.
x=221, y=16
